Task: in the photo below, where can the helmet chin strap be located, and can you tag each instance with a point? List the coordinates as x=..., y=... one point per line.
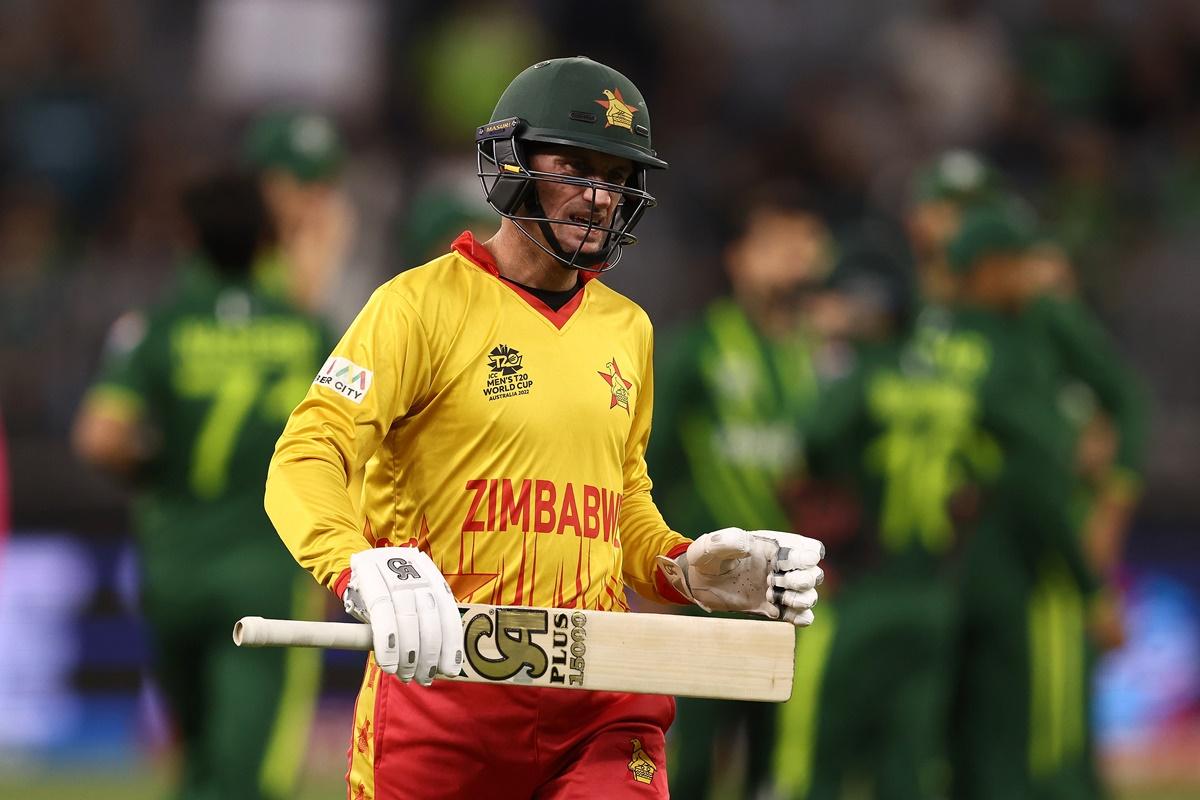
x=572, y=260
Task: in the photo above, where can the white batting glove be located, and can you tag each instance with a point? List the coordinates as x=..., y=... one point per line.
x=762, y=572
x=413, y=614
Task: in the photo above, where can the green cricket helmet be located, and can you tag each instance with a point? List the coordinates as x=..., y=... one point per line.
x=990, y=231
x=303, y=144
x=575, y=102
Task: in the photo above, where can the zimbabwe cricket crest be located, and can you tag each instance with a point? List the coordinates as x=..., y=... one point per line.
x=617, y=112
x=618, y=385
x=640, y=763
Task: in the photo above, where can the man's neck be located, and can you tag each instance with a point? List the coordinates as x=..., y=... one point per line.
x=523, y=262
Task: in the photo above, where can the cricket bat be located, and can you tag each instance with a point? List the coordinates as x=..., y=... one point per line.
x=728, y=659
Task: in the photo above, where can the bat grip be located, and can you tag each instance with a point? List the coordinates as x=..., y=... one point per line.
x=260, y=632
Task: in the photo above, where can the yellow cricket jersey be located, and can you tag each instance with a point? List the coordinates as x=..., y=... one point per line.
x=501, y=437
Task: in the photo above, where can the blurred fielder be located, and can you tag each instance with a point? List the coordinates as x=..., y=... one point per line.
x=735, y=388
x=191, y=397
x=1032, y=581
x=891, y=455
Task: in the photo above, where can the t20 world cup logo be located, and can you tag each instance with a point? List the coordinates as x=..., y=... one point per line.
x=504, y=360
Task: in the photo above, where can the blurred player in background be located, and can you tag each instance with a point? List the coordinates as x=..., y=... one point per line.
x=889, y=462
x=1098, y=401
x=499, y=399
x=731, y=388
x=299, y=157
x=1103, y=401
x=1021, y=727
x=1095, y=381
x=942, y=191
x=192, y=396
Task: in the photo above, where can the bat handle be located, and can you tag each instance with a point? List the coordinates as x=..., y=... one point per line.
x=260, y=632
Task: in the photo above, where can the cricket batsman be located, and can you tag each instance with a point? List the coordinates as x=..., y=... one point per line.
x=497, y=401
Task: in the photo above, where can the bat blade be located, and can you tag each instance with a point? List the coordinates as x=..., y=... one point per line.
x=733, y=659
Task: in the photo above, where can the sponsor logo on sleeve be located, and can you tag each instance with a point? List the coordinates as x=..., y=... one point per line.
x=346, y=378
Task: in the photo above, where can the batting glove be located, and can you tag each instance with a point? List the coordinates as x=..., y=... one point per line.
x=762, y=572
x=413, y=614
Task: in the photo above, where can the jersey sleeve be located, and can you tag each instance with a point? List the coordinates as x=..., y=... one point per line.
x=644, y=533
x=1089, y=356
x=126, y=382
x=377, y=372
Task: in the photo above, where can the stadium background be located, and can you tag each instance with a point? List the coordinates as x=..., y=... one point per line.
x=1091, y=109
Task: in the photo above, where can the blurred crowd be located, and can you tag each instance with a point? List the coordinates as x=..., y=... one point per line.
x=1088, y=108
x=838, y=171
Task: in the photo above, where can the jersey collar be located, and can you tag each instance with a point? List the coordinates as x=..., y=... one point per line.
x=470, y=248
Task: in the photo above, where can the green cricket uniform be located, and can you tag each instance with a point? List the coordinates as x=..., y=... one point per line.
x=900, y=435
x=1021, y=727
x=725, y=444
x=1059, y=751
x=214, y=371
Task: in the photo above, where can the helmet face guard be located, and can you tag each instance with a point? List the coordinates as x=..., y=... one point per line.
x=510, y=187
